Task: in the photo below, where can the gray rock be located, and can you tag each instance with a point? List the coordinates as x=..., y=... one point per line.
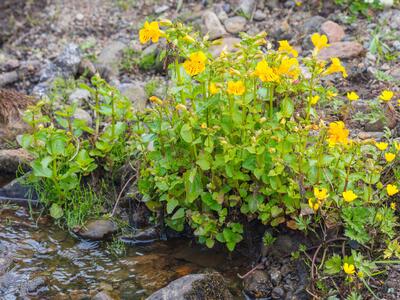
x=149, y=58
x=82, y=114
x=247, y=7
x=333, y=31
x=276, y=276
x=212, y=25
x=111, y=56
x=227, y=44
x=395, y=72
x=220, y=12
x=69, y=59
x=34, y=284
x=278, y=293
x=313, y=24
x=8, y=78
x=136, y=93
x=11, y=159
x=258, y=284
x=235, y=24
x=16, y=189
x=8, y=62
x=196, y=287
x=159, y=9
x=79, y=96
x=259, y=15
x=102, y=296
x=272, y=4
x=5, y=263
x=98, y=229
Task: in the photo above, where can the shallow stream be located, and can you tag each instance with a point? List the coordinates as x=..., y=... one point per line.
x=50, y=263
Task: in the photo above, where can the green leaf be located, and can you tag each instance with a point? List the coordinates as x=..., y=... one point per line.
x=180, y=213
x=333, y=265
x=186, y=133
x=56, y=211
x=40, y=167
x=203, y=162
x=172, y=203
x=287, y=107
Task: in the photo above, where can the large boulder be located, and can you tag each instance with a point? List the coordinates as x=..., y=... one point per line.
x=11, y=159
x=111, y=56
x=195, y=287
x=98, y=229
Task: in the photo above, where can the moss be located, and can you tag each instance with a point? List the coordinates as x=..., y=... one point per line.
x=212, y=287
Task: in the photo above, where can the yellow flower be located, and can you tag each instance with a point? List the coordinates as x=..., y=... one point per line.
x=181, y=107
x=314, y=100
x=149, y=31
x=314, y=204
x=319, y=41
x=265, y=72
x=390, y=157
x=203, y=125
x=381, y=146
x=386, y=95
x=349, y=196
x=284, y=46
x=337, y=133
x=397, y=146
x=236, y=88
x=156, y=100
x=289, y=67
x=195, y=64
x=336, y=67
x=391, y=189
x=320, y=194
x=331, y=94
x=349, y=269
x=352, y=96
x=298, y=2
x=393, y=205
x=214, y=89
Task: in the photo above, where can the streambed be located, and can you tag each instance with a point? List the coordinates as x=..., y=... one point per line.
x=47, y=262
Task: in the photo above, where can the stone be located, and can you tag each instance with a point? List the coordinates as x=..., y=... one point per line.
x=212, y=25
x=79, y=96
x=395, y=72
x=258, y=284
x=11, y=159
x=333, y=31
x=98, y=229
x=8, y=78
x=227, y=44
x=220, y=12
x=69, y=59
x=5, y=263
x=148, y=58
x=341, y=50
x=278, y=293
x=272, y=4
x=111, y=56
x=102, y=296
x=313, y=24
x=16, y=189
x=159, y=9
x=34, y=284
x=235, y=24
x=8, y=62
x=196, y=287
x=276, y=276
x=82, y=114
x=363, y=135
x=247, y=7
x=259, y=15
x=135, y=92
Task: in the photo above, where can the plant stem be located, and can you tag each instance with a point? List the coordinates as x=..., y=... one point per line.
x=271, y=101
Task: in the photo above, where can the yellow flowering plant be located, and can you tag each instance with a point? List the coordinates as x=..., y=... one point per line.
x=238, y=137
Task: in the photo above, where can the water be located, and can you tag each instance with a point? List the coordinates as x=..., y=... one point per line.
x=75, y=269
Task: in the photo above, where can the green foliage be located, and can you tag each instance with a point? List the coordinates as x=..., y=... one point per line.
x=268, y=239
x=67, y=149
x=357, y=7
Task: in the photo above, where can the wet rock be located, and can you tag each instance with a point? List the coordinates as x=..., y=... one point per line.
x=34, y=284
x=227, y=44
x=276, y=276
x=11, y=159
x=136, y=93
x=284, y=245
x=235, y=24
x=98, y=229
x=79, y=96
x=111, y=56
x=341, y=50
x=5, y=263
x=8, y=78
x=142, y=236
x=212, y=25
x=82, y=114
x=195, y=286
x=278, y=293
x=259, y=15
x=258, y=284
x=102, y=296
x=313, y=24
x=247, y=7
x=333, y=31
x=16, y=189
x=69, y=59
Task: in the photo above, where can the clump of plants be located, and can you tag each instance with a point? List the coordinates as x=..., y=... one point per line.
x=239, y=139
x=69, y=149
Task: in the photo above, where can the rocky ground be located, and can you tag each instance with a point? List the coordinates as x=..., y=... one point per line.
x=49, y=45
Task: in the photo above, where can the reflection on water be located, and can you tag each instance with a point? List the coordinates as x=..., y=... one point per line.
x=69, y=268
